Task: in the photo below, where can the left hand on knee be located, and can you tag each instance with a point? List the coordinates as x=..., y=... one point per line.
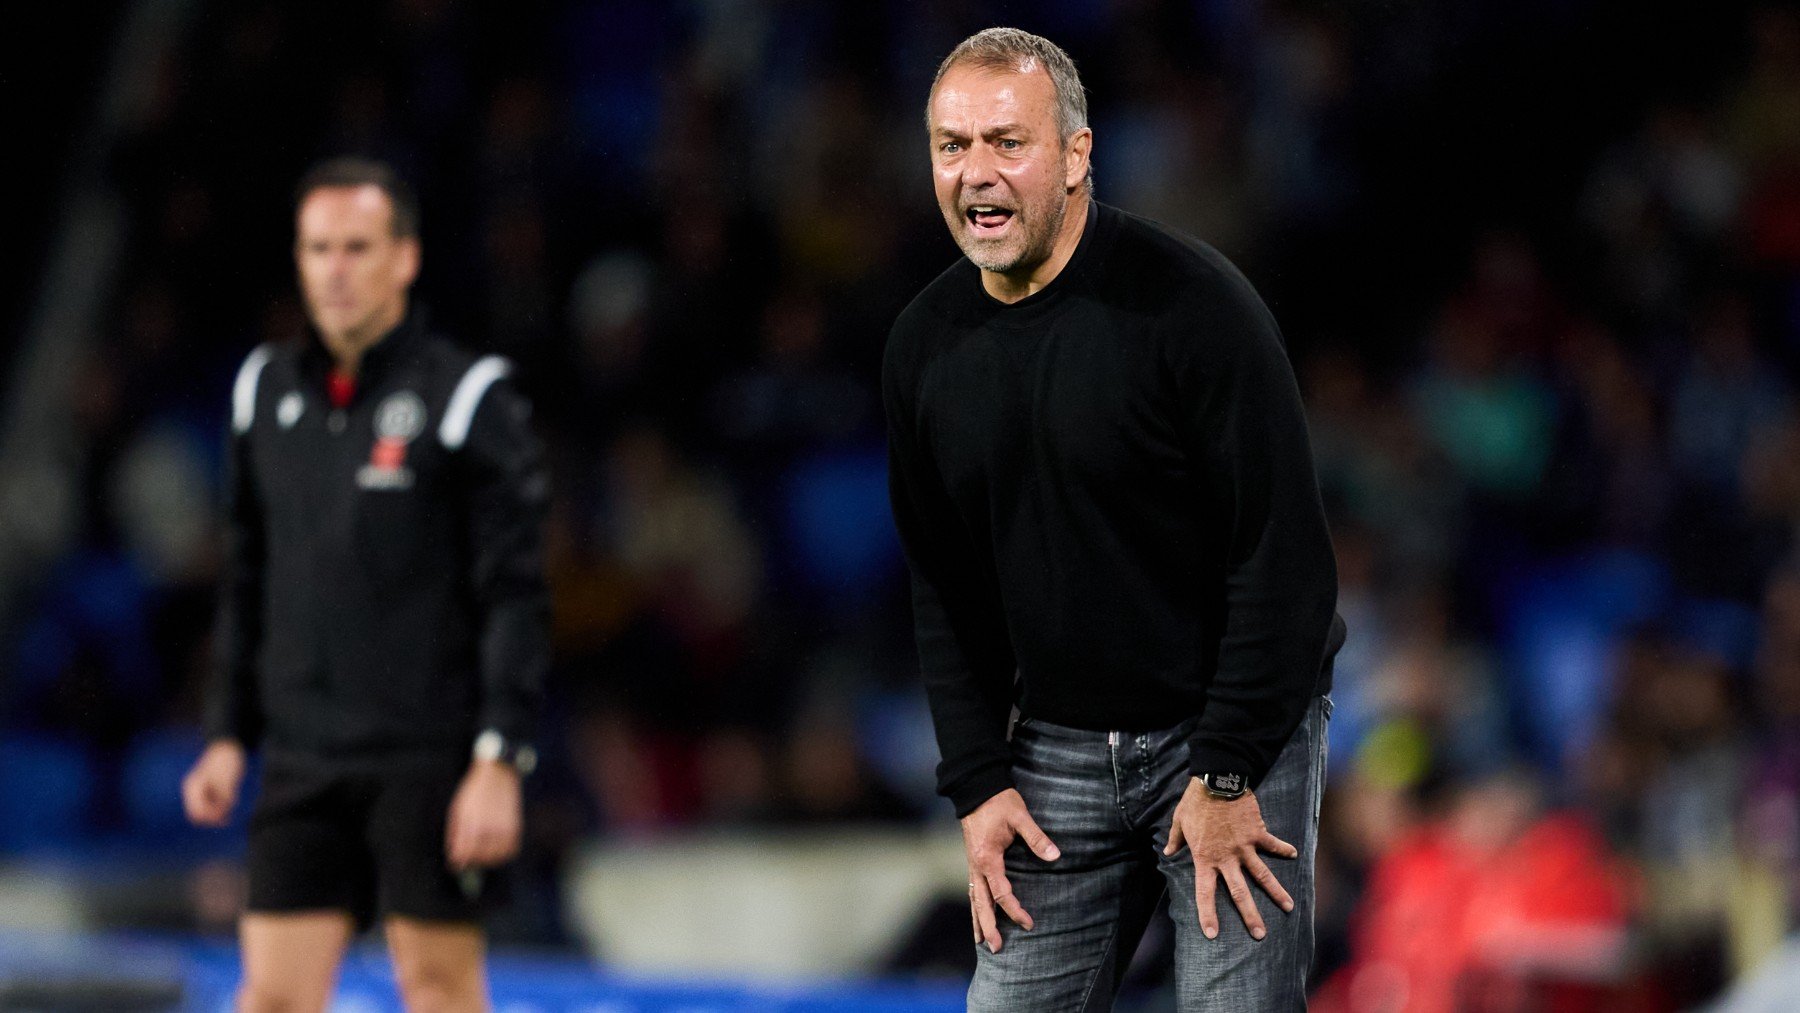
x=1225, y=838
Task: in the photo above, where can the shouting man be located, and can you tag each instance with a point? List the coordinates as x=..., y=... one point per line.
x=1101, y=475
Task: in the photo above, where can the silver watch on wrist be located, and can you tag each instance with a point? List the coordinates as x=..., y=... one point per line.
x=1225, y=786
x=490, y=745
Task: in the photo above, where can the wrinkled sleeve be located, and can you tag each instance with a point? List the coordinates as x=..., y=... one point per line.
x=508, y=499
x=233, y=709
x=1244, y=422
x=965, y=655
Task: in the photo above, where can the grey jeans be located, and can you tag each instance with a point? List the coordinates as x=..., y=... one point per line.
x=1105, y=799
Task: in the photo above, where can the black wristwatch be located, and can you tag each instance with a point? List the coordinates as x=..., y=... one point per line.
x=1225, y=786
x=491, y=745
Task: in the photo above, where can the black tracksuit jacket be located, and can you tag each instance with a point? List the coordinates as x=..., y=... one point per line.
x=384, y=595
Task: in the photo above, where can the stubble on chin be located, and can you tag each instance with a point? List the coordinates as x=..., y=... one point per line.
x=1012, y=254
x=995, y=257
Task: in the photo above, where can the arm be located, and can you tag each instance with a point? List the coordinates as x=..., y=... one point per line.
x=506, y=501
x=232, y=718
x=1244, y=424
x=1244, y=421
x=233, y=710
x=965, y=654
x=967, y=662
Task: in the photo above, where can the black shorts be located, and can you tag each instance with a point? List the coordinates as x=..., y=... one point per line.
x=368, y=841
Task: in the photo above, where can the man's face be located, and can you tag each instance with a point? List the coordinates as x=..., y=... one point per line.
x=354, y=272
x=1002, y=173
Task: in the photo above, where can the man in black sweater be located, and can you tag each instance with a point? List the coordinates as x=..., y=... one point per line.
x=1101, y=475
x=384, y=624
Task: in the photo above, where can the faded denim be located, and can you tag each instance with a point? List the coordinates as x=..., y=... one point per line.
x=1106, y=799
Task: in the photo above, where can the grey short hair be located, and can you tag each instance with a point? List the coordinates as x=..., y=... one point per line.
x=1017, y=50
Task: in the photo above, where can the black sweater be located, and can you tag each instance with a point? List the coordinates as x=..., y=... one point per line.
x=1107, y=490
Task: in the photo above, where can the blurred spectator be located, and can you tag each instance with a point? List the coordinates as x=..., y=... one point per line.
x=1725, y=400
x=1766, y=905
x=1495, y=906
x=1477, y=398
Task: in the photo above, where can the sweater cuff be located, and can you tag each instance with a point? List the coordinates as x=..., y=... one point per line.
x=979, y=786
x=226, y=723
x=1209, y=754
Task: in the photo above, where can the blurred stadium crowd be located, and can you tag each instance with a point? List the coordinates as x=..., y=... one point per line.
x=1539, y=268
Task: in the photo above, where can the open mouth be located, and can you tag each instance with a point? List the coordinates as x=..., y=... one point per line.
x=987, y=219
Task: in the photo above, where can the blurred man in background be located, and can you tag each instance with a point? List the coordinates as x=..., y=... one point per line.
x=383, y=627
x=1102, y=477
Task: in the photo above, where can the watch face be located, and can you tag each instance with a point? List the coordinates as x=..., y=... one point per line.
x=490, y=745
x=1226, y=784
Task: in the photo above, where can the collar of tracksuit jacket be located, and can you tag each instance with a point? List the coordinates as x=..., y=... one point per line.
x=394, y=348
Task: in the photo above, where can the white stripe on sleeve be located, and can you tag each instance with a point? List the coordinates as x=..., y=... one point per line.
x=453, y=431
x=243, y=391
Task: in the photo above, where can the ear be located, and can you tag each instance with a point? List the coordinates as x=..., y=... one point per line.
x=1075, y=158
x=411, y=253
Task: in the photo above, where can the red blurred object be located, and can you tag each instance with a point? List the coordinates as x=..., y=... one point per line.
x=340, y=388
x=389, y=453
x=1537, y=922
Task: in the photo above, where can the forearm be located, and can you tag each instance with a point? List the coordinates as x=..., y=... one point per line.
x=1279, y=607
x=967, y=665
x=232, y=707
x=514, y=662
x=1276, y=644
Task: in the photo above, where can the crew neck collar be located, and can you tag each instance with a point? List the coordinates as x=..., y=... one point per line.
x=1066, y=280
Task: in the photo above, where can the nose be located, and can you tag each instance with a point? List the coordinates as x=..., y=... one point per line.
x=978, y=168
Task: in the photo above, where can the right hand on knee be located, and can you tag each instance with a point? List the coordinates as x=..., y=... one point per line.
x=1225, y=838
x=987, y=833
x=209, y=791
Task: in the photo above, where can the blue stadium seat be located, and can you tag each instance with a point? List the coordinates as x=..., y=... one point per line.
x=46, y=787
x=839, y=524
